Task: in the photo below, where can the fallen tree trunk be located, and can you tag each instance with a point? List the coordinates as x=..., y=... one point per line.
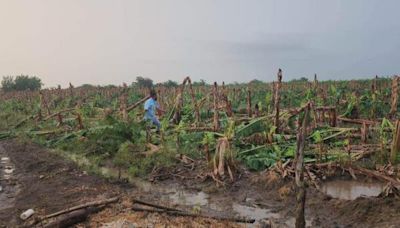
x=130, y=108
x=57, y=113
x=75, y=208
x=188, y=214
x=72, y=218
x=154, y=205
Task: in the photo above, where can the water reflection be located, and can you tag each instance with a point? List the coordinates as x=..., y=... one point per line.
x=350, y=190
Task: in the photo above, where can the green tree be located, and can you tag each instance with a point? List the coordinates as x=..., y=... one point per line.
x=302, y=79
x=25, y=82
x=255, y=82
x=202, y=82
x=7, y=84
x=87, y=86
x=170, y=84
x=144, y=82
x=21, y=83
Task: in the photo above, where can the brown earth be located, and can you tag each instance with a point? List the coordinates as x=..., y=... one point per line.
x=48, y=183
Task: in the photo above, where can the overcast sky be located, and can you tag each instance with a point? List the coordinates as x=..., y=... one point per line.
x=113, y=41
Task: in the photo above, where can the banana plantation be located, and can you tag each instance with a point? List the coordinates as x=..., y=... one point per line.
x=283, y=140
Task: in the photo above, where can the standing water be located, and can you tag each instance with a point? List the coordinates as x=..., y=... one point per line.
x=8, y=185
x=198, y=200
x=350, y=189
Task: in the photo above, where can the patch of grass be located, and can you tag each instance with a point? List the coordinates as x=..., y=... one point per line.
x=10, y=119
x=141, y=166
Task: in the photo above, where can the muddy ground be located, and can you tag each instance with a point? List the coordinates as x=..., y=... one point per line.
x=34, y=177
x=45, y=182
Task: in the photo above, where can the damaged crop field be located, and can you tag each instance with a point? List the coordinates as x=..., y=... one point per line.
x=282, y=154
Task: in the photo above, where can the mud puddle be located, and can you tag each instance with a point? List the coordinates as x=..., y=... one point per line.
x=200, y=201
x=177, y=195
x=211, y=203
x=351, y=189
x=254, y=212
x=8, y=183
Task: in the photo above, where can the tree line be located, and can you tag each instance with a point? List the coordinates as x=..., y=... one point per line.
x=21, y=83
x=25, y=82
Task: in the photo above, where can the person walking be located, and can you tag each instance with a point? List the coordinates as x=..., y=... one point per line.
x=150, y=107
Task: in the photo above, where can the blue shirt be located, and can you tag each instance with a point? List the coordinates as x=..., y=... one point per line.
x=150, y=107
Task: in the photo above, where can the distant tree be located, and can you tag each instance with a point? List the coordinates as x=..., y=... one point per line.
x=21, y=83
x=87, y=86
x=202, y=82
x=7, y=84
x=144, y=82
x=302, y=79
x=170, y=84
x=25, y=82
x=255, y=81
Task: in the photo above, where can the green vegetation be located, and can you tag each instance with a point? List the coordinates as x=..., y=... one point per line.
x=20, y=83
x=144, y=82
x=233, y=128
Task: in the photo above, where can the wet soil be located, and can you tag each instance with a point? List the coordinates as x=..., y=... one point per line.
x=33, y=177
x=9, y=188
x=44, y=182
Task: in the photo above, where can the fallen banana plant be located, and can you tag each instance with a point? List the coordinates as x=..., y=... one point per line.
x=223, y=159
